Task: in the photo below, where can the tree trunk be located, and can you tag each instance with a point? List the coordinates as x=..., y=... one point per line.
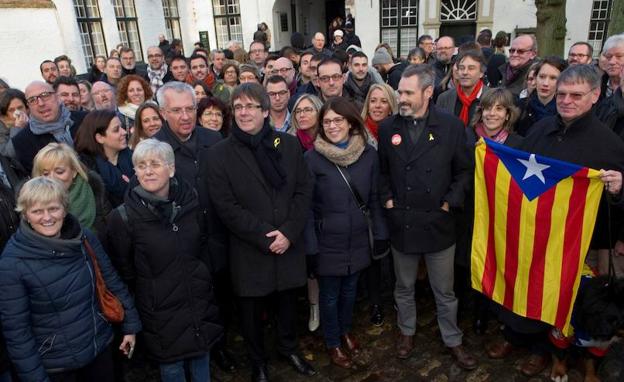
x=616, y=24
x=551, y=27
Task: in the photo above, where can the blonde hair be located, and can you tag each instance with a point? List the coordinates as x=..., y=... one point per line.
x=56, y=153
x=388, y=92
x=42, y=190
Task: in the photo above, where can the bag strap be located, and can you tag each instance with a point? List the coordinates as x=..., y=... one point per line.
x=99, y=280
x=361, y=205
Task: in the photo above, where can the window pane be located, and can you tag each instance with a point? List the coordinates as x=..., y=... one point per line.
x=390, y=36
x=409, y=40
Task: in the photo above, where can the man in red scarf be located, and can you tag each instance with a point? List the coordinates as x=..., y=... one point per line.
x=462, y=101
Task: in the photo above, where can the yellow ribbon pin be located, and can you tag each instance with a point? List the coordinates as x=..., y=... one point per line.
x=276, y=142
x=430, y=137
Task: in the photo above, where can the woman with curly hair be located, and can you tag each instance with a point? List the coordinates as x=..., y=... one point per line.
x=132, y=91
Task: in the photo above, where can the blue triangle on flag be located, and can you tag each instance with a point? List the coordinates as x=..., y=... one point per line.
x=534, y=174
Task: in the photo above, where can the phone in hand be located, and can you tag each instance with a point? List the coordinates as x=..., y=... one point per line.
x=130, y=351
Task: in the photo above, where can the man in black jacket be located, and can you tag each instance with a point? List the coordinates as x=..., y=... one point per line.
x=261, y=189
x=425, y=171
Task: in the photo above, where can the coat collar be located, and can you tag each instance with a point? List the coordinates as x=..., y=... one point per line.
x=427, y=140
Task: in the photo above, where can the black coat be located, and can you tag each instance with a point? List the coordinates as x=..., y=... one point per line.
x=516, y=85
x=610, y=111
x=337, y=230
x=394, y=74
x=27, y=144
x=420, y=178
x=165, y=262
x=188, y=167
x=250, y=208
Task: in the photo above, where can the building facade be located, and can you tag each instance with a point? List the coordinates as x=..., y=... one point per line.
x=82, y=29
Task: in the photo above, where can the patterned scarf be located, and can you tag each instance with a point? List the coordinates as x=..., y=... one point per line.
x=156, y=76
x=60, y=128
x=467, y=100
x=499, y=137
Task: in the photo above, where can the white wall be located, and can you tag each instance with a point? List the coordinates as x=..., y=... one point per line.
x=70, y=35
x=509, y=15
x=578, y=13
x=367, y=25
x=24, y=47
x=151, y=21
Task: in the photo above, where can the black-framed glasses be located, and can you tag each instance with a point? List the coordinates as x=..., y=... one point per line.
x=334, y=77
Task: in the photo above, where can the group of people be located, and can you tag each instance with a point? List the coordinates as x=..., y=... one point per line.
x=209, y=184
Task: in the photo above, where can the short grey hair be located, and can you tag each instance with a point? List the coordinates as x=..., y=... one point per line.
x=578, y=74
x=42, y=190
x=175, y=86
x=154, y=148
x=613, y=41
x=425, y=74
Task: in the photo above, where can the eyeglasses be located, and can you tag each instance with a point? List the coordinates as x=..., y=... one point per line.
x=306, y=110
x=519, y=51
x=249, y=107
x=212, y=114
x=43, y=97
x=336, y=121
x=281, y=71
x=178, y=111
x=281, y=93
x=334, y=77
x=154, y=165
x=574, y=96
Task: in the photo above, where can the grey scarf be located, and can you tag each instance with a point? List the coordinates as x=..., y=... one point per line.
x=60, y=128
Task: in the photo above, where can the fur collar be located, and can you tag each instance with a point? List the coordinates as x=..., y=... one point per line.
x=341, y=157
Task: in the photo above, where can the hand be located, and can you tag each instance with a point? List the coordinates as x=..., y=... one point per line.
x=312, y=265
x=127, y=343
x=445, y=206
x=280, y=244
x=389, y=204
x=619, y=248
x=612, y=180
x=21, y=120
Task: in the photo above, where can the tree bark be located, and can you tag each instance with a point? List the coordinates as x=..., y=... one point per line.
x=551, y=27
x=616, y=24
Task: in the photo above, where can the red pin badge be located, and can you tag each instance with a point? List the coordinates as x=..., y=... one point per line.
x=396, y=139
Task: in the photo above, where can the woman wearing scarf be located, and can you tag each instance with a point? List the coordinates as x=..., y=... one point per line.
x=132, y=91
x=345, y=168
x=380, y=103
x=86, y=191
x=541, y=102
x=103, y=147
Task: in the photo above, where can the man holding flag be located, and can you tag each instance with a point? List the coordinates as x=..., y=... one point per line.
x=531, y=263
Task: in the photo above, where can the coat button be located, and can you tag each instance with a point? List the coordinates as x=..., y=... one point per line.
x=428, y=190
x=408, y=168
x=559, y=138
x=409, y=188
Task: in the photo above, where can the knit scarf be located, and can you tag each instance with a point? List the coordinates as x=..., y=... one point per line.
x=82, y=202
x=306, y=140
x=60, y=128
x=499, y=137
x=156, y=76
x=341, y=157
x=265, y=148
x=166, y=208
x=128, y=110
x=539, y=109
x=467, y=100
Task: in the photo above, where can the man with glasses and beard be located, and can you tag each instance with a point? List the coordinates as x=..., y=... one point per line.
x=521, y=55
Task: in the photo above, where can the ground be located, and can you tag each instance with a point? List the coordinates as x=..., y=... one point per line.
x=429, y=362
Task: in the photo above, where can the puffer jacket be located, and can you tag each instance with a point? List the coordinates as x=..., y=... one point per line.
x=49, y=310
x=165, y=261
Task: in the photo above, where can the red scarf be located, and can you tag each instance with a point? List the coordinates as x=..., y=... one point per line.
x=466, y=101
x=306, y=140
x=499, y=137
x=372, y=127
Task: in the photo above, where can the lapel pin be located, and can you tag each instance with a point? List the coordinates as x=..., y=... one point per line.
x=276, y=142
x=430, y=137
x=396, y=139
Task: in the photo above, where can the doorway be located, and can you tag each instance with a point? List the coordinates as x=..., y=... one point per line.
x=459, y=30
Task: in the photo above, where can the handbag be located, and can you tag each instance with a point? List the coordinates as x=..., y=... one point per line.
x=110, y=305
x=365, y=210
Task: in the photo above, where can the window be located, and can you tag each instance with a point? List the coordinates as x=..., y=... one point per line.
x=172, y=19
x=458, y=10
x=90, y=26
x=598, y=24
x=227, y=21
x=399, y=25
x=128, y=26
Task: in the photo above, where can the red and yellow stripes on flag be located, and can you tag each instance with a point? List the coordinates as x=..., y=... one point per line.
x=528, y=255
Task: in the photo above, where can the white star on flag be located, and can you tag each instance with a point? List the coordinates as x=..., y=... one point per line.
x=533, y=168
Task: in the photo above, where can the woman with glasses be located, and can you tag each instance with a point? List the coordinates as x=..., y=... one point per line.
x=157, y=244
x=103, y=147
x=541, y=103
x=230, y=75
x=213, y=114
x=345, y=171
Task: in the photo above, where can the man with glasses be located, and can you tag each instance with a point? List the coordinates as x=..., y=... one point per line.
x=261, y=189
x=50, y=121
x=521, y=55
x=284, y=67
x=425, y=42
x=257, y=54
x=330, y=79
x=103, y=96
x=574, y=135
x=158, y=72
x=425, y=169
x=279, y=96
x=128, y=62
x=580, y=53
x=445, y=50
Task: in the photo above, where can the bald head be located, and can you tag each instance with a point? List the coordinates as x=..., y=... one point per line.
x=43, y=103
x=284, y=67
x=445, y=47
x=103, y=96
x=318, y=41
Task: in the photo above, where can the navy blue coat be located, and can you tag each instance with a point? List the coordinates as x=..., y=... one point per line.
x=337, y=230
x=50, y=315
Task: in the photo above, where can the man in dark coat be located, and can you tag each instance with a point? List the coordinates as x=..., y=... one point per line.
x=359, y=78
x=391, y=72
x=158, y=72
x=261, y=189
x=425, y=172
x=49, y=122
x=521, y=55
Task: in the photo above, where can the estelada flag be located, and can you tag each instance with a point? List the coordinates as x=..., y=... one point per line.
x=534, y=218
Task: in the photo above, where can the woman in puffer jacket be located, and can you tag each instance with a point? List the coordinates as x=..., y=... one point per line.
x=49, y=308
